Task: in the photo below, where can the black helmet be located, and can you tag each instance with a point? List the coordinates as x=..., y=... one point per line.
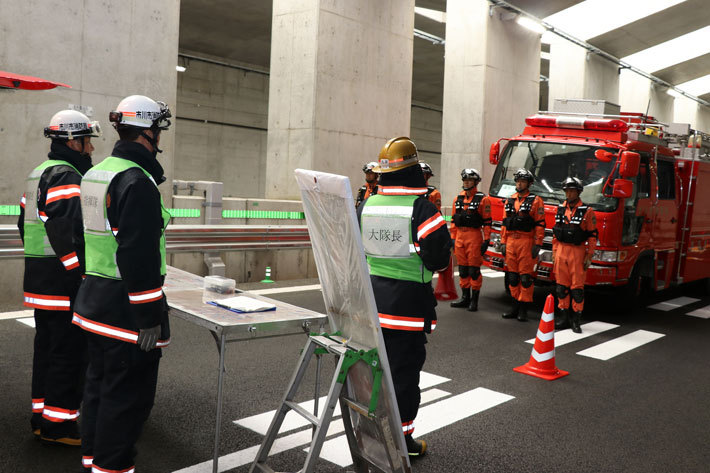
x=426, y=169
x=470, y=173
x=523, y=174
x=369, y=167
x=573, y=183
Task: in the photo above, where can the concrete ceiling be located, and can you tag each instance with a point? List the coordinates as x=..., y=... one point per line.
x=240, y=32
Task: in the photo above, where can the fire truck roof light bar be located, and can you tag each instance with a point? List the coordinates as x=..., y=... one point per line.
x=595, y=50
x=579, y=123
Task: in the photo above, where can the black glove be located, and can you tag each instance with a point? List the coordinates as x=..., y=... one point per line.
x=148, y=337
x=502, y=249
x=535, y=251
x=484, y=246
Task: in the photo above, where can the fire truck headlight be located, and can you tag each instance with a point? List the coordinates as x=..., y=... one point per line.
x=609, y=256
x=546, y=256
x=495, y=238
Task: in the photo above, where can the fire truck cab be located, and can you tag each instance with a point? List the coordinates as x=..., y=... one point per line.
x=643, y=179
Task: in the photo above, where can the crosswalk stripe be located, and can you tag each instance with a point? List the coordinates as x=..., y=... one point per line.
x=618, y=346
x=703, y=312
x=673, y=303
x=430, y=418
x=29, y=321
x=563, y=337
x=16, y=314
x=260, y=423
x=281, y=290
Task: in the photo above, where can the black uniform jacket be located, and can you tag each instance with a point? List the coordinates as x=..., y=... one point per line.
x=134, y=209
x=49, y=276
x=408, y=298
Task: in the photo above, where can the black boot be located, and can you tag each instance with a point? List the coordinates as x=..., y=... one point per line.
x=523, y=312
x=415, y=448
x=513, y=313
x=465, y=298
x=562, y=322
x=473, y=306
x=576, y=316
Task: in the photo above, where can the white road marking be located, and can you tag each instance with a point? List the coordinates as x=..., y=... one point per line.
x=703, y=312
x=489, y=273
x=563, y=337
x=16, y=314
x=673, y=303
x=612, y=348
x=29, y=321
x=430, y=418
x=260, y=423
x=280, y=290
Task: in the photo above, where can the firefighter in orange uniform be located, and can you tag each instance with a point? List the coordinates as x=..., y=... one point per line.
x=471, y=228
x=370, y=187
x=575, y=236
x=432, y=193
x=521, y=240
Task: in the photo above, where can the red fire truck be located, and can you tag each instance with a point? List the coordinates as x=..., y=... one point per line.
x=646, y=182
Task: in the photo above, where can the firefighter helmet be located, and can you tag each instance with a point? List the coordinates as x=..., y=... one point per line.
x=70, y=124
x=523, y=174
x=141, y=112
x=398, y=153
x=470, y=173
x=426, y=169
x=369, y=166
x=573, y=183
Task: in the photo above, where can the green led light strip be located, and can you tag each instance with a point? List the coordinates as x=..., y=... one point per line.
x=184, y=213
x=447, y=218
x=9, y=210
x=267, y=214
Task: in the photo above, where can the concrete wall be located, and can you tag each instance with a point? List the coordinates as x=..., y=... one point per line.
x=689, y=111
x=221, y=127
x=425, y=131
x=636, y=91
x=104, y=50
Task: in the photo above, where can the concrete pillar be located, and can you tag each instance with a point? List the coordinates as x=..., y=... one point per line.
x=686, y=110
x=104, y=50
x=491, y=83
x=340, y=86
x=638, y=94
x=576, y=73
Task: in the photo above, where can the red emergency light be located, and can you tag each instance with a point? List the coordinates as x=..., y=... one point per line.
x=580, y=123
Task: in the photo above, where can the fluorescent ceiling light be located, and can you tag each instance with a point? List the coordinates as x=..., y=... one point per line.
x=529, y=23
x=697, y=87
x=180, y=68
x=673, y=93
x=435, y=15
x=595, y=17
x=429, y=37
x=545, y=55
x=677, y=50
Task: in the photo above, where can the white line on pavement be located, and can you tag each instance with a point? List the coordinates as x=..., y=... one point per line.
x=617, y=346
x=563, y=337
x=279, y=290
x=29, y=321
x=703, y=312
x=673, y=303
x=16, y=314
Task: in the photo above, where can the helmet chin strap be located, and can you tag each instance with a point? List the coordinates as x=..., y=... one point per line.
x=153, y=142
x=468, y=188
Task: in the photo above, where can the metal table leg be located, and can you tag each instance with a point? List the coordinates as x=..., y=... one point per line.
x=220, y=383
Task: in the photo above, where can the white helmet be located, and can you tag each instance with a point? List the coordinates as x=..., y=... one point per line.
x=142, y=112
x=70, y=124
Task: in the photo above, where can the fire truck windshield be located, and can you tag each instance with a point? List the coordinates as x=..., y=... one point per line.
x=551, y=164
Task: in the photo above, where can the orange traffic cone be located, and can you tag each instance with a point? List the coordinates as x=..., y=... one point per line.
x=542, y=359
x=445, y=288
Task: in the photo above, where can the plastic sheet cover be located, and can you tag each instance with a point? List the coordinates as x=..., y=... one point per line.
x=350, y=305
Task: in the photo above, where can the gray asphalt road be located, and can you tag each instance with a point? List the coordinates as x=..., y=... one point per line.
x=643, y=410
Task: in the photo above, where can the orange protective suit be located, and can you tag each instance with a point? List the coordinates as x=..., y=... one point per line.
x=469, y=239
x=518, y=244
x=370, y=188
x=569, y=258
x=434, y=196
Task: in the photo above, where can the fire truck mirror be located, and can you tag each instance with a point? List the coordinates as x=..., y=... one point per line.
x=629, y=164
x=623, y=188
x=604, y=155
x=493, y=154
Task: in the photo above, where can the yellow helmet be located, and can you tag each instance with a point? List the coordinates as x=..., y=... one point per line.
x=398, y=153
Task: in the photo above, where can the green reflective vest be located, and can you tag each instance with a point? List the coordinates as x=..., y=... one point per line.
x=36, y=241
x=386, y=227
x=99, y=237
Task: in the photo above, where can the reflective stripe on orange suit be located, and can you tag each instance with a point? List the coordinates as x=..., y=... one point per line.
x=468, y=240
x=519, y=245
x=569, y=259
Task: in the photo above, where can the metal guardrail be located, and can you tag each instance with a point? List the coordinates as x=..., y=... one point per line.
x=200, y=238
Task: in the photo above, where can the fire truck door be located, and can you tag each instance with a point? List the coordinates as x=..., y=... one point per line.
x=665, y=221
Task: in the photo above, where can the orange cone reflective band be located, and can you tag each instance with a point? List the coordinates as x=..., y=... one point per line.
x=445, y=287
x=542, y=358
